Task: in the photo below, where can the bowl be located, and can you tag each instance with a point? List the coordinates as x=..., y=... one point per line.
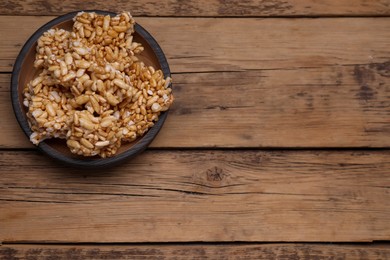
x=24, y=71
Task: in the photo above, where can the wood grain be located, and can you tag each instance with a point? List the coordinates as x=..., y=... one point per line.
x=247, y=75
x=204, y=8
x=235, y=44
x=165, y=196
x=330, y=106
x=198, y=251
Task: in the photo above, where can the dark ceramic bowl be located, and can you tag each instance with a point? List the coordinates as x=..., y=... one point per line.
x=24, y=71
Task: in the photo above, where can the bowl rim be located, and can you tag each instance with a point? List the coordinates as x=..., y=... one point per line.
x=86, y=162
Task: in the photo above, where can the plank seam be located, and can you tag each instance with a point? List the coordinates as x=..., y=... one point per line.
x=194, y=243
x=236, y=16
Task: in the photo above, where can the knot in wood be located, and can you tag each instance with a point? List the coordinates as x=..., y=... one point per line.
x=215, y=174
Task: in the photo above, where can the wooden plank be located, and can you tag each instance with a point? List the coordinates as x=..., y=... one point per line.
x=232, y=44
x=330, y=106
x=197, y=251
x=11, y=128
x=166, y=196
x=204, y=8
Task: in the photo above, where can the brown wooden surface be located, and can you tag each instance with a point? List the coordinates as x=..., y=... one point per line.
x=166, y=196
x=204, y=7
x=236, y=44
x=197, y=251
x=335, y=106
x=252, y=79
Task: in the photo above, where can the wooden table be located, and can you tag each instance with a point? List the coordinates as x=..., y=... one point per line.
x=279, y=137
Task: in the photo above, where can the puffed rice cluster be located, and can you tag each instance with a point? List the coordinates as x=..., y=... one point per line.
x=91, y=88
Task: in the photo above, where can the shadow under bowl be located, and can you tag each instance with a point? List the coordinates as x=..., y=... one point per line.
x=56, y=148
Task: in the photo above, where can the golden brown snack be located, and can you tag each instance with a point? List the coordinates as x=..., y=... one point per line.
x=92, y=90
